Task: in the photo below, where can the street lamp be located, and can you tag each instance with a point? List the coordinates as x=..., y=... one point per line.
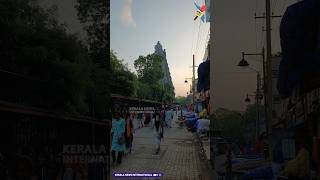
x=243, y=62
x=258, y=96
x=191, y=92
x=247, y=100
x=186, y=81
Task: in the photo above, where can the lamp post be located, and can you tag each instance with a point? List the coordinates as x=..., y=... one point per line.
x=244, y=63
x=191, y=88
x=257, y=97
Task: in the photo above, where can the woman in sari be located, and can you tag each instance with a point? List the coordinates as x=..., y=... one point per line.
x=129, y=133
x=118, y=139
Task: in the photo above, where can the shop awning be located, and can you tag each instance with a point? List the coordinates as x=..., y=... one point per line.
x=300, y=39
x=203, y=76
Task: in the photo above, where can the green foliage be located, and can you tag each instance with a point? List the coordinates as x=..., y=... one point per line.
x=251, y=112
x=233, y=124
x=230, y=123
x=93, y=14
x=123, y=81
x=150, y=72
x=182, y=100
x=149, y=68
x=146, y=84
x=34, y=44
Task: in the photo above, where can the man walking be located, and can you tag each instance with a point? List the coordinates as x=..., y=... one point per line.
x=158, y=131
x=140, y=120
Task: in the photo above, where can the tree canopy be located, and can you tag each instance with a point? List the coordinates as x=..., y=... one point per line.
x=93, y=14
x=233, y=124
x=123, y=81
x=71, y=74
x=149, y=73
x=34, y=44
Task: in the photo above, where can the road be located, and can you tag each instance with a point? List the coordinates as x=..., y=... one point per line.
x=178, y=160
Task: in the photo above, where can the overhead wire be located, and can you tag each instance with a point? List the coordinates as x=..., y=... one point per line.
x=194, y=27
x=202, y=38
x=198, y=38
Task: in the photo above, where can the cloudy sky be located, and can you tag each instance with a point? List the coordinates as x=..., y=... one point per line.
x=137, y=25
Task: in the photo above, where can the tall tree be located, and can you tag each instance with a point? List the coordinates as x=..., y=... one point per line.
x=230, y=123
x=123, y=80
x=149, y=72
x=182, y=100
x=94, y=15
x=34, y=45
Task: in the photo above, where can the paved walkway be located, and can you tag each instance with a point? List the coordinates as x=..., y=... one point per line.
x=178, y=158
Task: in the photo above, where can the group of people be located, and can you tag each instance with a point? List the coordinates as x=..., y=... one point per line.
x=121, y=135
x=122, y=130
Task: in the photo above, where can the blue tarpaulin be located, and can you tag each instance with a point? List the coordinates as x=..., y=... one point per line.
x=299, y=31
x=259, y=173
x=203, y=76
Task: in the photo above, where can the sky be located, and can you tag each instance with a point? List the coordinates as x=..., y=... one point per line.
x=235, y=30
x=137, y=25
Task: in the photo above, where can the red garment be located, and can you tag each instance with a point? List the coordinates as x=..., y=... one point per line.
x=258, y=148
x=129, y=127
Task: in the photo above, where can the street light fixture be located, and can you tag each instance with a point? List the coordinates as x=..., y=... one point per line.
x=247, y=100
x=191, y=91
x=243, y=62
x=258, y=96
x=186, y=81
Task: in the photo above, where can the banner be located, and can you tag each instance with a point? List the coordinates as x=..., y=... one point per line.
x=201, y=12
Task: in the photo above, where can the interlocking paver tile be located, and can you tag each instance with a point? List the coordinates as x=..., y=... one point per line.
x=178, y=158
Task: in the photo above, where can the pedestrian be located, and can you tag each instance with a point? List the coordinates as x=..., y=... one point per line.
x=129, y=133
x=143, y=119
x=153, y=119
x=173, y=116
x=229, y=163
x=167, y=117
x=140, y=119
x=158, y=131
x=118, y=139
